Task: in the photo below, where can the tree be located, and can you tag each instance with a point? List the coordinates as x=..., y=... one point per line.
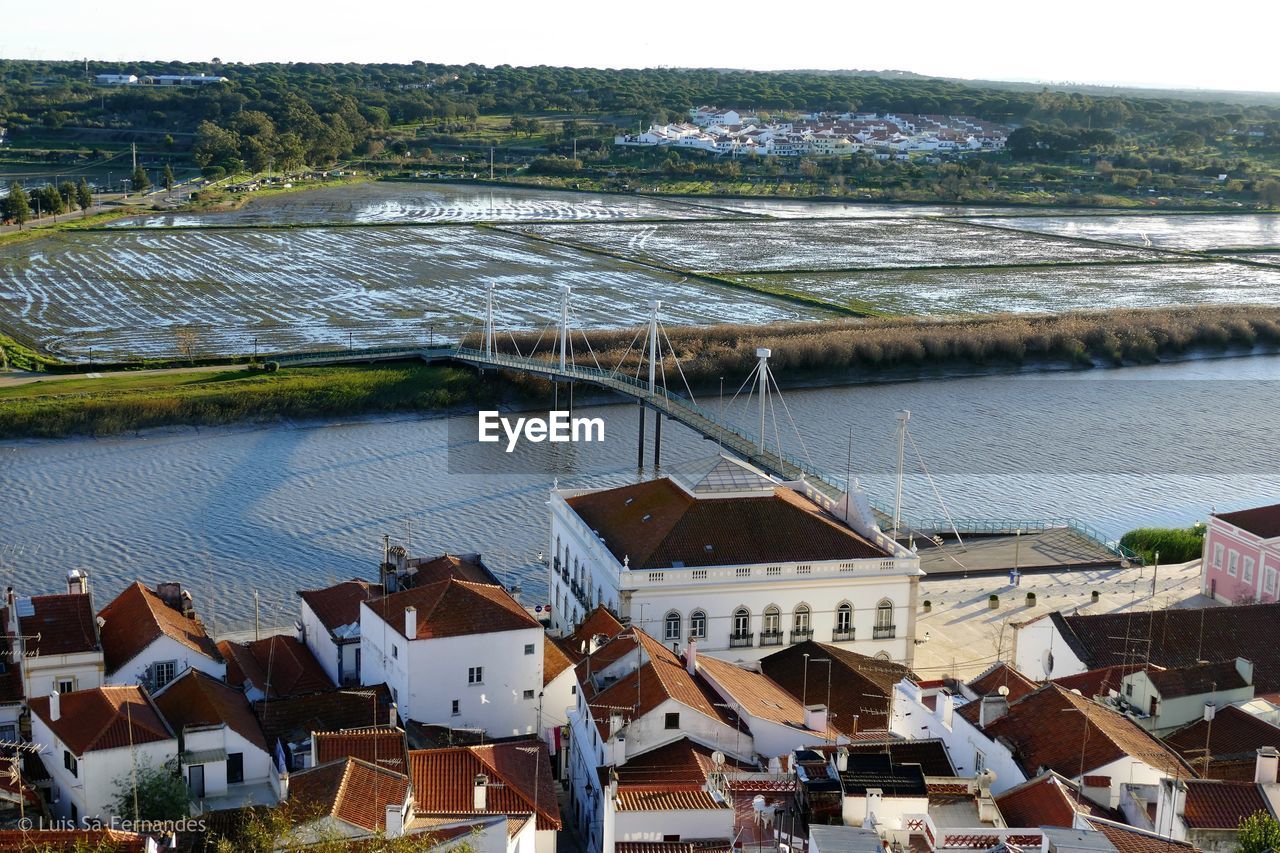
x=49, y=201
x=67, y=190
x=84, y=196
x=140, y=181
x=16, y=205
x=1258, y=833
x=168, y=178
x=157, y=792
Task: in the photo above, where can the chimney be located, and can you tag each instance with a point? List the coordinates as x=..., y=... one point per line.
x=185, y=604
x=77, y=582
x=411, y=622
x=170, y=593
x=691, y=656
x=992, y=708
x=55, y=706
x=615, y=723
x=395, y=820
x=874, y=798
x=391, y=715
x=480, y=799
x=842, y=759
x=1268, y=762
x=1210, y=711
x=1245, y=668
x=815, y=718
x=986, y=779
x=620, y=750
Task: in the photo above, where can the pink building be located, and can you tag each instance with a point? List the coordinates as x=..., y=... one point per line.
x=1242, y=555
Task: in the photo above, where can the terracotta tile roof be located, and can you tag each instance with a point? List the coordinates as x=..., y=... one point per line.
x=64, y=622
x=27, y=840
x=658, y=800
x=296, y=718
x=1262, y=521
x=1177, y=638
x=1234, y=739
x=1099, y=682
x=283, y=663
x=1214, y=804
x=861, y=680
x=454, y=608
x=1127, y=839
x=1050, y=799
x=555, y=660
x=339, y=605
x=1001, y=674
x=350, y=790
x=598, y=621
x=103, y=718
x=519, y=773
x=755, y=695
x=137, y=618
x=683, y=763
x=195, y=700
x=783, y=527
x=466, y=567
x=663, y=676
x=1047, y=729
x=383, y=746
x=1194, y=680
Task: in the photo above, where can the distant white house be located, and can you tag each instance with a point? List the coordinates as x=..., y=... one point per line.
x=116, y=79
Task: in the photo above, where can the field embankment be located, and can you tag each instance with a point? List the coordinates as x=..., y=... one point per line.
x=885, y=347
x=127, y=402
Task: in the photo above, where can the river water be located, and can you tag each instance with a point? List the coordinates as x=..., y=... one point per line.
x=283, y=507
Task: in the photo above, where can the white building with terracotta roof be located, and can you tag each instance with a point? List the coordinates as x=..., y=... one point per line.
x=457, y=654
x=150, y=637
x=330, y=626
x=90, y=741
x=720, y=552
x=53, y=645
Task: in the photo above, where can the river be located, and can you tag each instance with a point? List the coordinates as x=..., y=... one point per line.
x=283, y=507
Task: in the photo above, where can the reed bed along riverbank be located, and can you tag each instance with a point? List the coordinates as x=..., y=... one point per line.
x=875, y=346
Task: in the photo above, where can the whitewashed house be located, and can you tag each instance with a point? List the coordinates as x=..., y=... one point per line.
x=719, y=551
x=150, y=637
x=350, y=799
x=330, y=626
x=53, y=643
x=91, y=740
x=221, y=749
x=455, y=653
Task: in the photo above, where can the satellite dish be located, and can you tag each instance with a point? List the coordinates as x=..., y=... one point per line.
x=1003, y=690
x=717, y=758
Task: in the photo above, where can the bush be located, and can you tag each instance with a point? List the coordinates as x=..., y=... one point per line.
x=1176, y=545
x=213, y=173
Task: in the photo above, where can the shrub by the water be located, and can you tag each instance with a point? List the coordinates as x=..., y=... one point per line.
x=1175, y=544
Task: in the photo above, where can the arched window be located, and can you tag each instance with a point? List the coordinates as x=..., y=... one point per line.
x=698, y=624
x=884, y=620
x=844, y=622
x=672, y=630
x=801, y=629
x=772, y=620
x=741, y=622
x=556, y=553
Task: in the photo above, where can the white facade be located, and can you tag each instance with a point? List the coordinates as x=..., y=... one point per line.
x=744, y=611
x=340, y=661
x=92, y=788
x=1040, y=651
x=42, y=674
x=658, y=825
x=428, y=676
x=157, y=657
x=209, y=748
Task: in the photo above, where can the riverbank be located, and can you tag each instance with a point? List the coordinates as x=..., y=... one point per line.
x=127, y=402
x=834, y=353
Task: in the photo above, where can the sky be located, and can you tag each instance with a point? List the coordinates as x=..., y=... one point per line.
x=1086, y=41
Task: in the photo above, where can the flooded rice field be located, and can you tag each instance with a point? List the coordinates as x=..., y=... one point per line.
x=1173, y=231
x=413, y=202
x=1064, y=288
x=737, y=246
x=132, y=293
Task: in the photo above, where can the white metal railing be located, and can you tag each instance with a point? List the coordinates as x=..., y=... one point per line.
x=635, y=578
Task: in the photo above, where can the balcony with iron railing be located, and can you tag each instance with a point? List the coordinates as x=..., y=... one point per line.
x=842, y=636
x=770, y=638
x=884, y=632
x=741, y=641
x=800, y=635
